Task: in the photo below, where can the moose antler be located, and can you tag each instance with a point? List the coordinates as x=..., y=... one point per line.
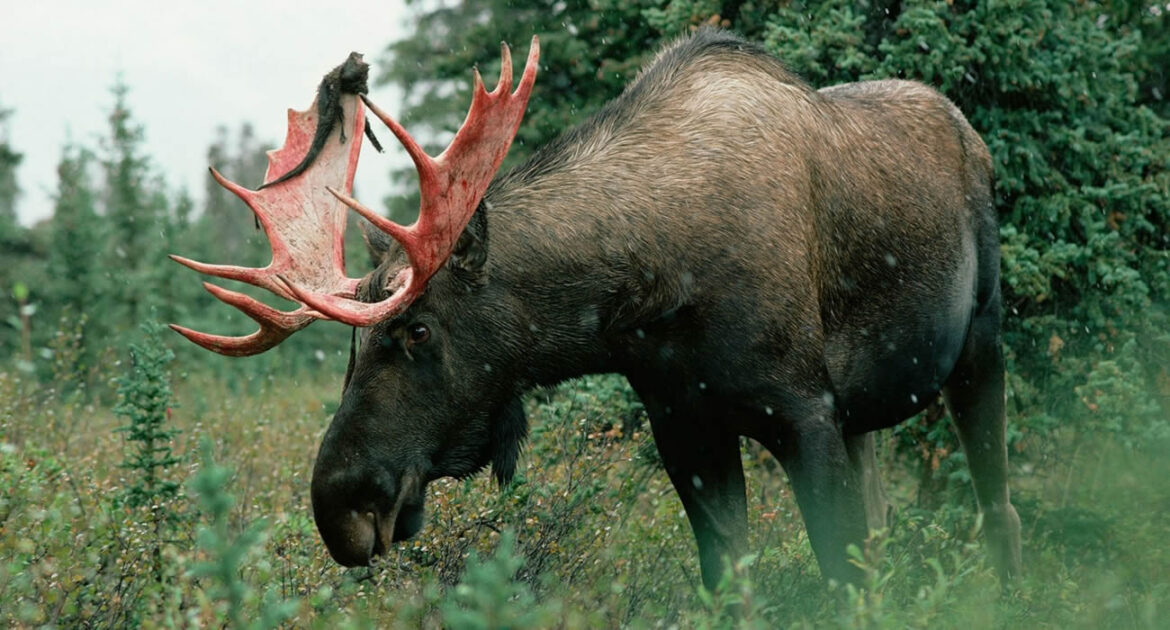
x=305, y=226
x=304, y=218
x=452, y=186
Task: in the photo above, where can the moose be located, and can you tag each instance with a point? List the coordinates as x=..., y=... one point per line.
x=758, y=258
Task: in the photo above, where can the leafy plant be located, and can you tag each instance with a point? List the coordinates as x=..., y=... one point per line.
x=489, y=596
x=226, y=551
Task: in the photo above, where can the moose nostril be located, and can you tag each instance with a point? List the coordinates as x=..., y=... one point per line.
x=352, y=539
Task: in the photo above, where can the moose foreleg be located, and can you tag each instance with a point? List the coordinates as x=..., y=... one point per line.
x=829, y=491
x=704, y=465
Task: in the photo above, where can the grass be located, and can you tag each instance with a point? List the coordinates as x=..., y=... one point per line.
x=592, y=533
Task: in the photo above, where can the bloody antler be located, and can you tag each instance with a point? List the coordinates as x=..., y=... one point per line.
x=305, y=226
x=452, y=185
x=305, y=220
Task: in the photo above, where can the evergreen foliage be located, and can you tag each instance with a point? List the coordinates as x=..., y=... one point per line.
x=76, y=237
x=9, y=186
x=136, y=212
x=76, y=234
x=489, y=595
x=146, y=402
x=13, y=241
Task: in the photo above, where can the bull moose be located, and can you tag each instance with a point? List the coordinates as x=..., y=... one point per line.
x=758, y=258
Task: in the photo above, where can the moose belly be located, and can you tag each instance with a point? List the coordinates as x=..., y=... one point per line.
x=883, y=372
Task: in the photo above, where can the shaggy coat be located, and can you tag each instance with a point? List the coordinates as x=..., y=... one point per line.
x=758, y=258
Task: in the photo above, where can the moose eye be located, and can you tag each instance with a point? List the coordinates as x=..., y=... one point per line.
x=418, y=333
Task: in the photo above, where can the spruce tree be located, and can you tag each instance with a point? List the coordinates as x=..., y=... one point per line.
x=128, y=211
x=9, y=187
x=77, y=232
x=146, y=401
x=135, y=213
x=76, y=242
x=15, y=245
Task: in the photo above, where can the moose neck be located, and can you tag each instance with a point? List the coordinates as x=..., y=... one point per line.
x=577, y=275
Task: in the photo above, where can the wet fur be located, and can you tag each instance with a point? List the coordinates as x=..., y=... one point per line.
x=758, y=258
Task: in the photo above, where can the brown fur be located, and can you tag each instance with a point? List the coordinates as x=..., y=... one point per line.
x=758, y=258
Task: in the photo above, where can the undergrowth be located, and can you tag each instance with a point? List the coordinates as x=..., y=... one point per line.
x=589, y=533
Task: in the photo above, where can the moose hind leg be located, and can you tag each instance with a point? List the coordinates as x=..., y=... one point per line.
x=975, y=396
x=704, y=465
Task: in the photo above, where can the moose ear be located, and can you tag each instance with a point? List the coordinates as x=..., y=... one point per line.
x=377, y=242
x=469, y=258
x=508, y=433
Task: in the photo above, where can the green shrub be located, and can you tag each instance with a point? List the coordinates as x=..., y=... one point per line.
x=225, y=553
x=489, y=596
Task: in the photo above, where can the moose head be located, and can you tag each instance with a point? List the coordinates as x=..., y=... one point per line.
x=413, y=409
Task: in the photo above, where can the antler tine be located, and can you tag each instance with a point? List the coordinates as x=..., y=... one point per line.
x=229, y=272
x=423, y=162
x=275, y=326
x=528, y=79
x=505, y=82
x=243, y=193
x=249, y=197
x=399, y=233
x=260, y=312
x=477, y=86
x=256, y=277
x=255, y=343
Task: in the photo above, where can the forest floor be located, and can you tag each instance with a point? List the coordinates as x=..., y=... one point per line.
x=590, y=534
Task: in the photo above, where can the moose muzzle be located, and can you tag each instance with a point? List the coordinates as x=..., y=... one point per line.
x=361, y=512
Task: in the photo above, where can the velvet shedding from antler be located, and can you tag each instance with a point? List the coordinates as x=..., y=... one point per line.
x=452, y=186
x=305, y=226
x=304, y=217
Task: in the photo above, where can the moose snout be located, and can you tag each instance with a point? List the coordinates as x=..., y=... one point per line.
x=351, y=538
x=359, y=514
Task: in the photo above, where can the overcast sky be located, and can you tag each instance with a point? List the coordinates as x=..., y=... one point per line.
x=191, y=66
